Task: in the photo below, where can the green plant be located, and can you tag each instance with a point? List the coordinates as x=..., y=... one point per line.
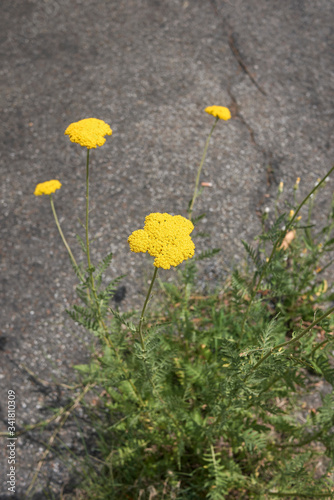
x=202, y=399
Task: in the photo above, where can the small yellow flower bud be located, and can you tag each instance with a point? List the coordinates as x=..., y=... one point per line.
x=280, y=187
x=295, y=187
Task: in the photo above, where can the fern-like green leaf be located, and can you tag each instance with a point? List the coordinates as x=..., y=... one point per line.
x=103, y=266
x=275, y=231
x=240, y=284
x=322, y=365
x=253, y=254
x=81, y=243
x=196, y=220
x=120, y=318
x=207, y=254
x=269, y=334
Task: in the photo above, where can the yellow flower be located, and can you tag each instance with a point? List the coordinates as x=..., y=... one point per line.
x=219, y=112
x=89, y=132
x=165, y=237
x=47, y=187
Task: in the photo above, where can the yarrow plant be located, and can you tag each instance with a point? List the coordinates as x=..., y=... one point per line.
x=203, y=398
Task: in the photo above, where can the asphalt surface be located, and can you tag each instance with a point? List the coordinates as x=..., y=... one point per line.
x=148, y=68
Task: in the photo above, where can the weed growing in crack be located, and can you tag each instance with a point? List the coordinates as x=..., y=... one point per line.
x=201, y=396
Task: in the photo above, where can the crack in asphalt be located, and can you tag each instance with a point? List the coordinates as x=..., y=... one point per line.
x=267, y=155
x=236, y=53
x=234, y=107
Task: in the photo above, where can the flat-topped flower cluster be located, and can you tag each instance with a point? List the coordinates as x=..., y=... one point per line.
x=89, y=132
x=47, y=187
x=166, y=237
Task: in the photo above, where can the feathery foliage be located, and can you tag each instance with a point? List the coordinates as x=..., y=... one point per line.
x=208, y=395
x=214, y=410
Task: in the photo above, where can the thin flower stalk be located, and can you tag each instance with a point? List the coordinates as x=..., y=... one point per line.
x=220, y=113
x=140, y=327
x=75, y=265
x=191, y=206
x=90, y=268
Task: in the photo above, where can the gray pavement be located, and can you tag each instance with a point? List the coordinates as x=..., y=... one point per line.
x=148, y=68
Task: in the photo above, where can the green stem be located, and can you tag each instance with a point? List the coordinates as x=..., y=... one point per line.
x=63, y=237
x=90, y=271
x=90, y=267
x=296, y=494
x=190, y=209
x=289, y=342
x=140, y=328
x=279, y=240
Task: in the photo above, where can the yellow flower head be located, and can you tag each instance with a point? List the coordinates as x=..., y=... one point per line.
x=48, y=187
x=165, y=237
x=219, y=112
x=89, y=132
